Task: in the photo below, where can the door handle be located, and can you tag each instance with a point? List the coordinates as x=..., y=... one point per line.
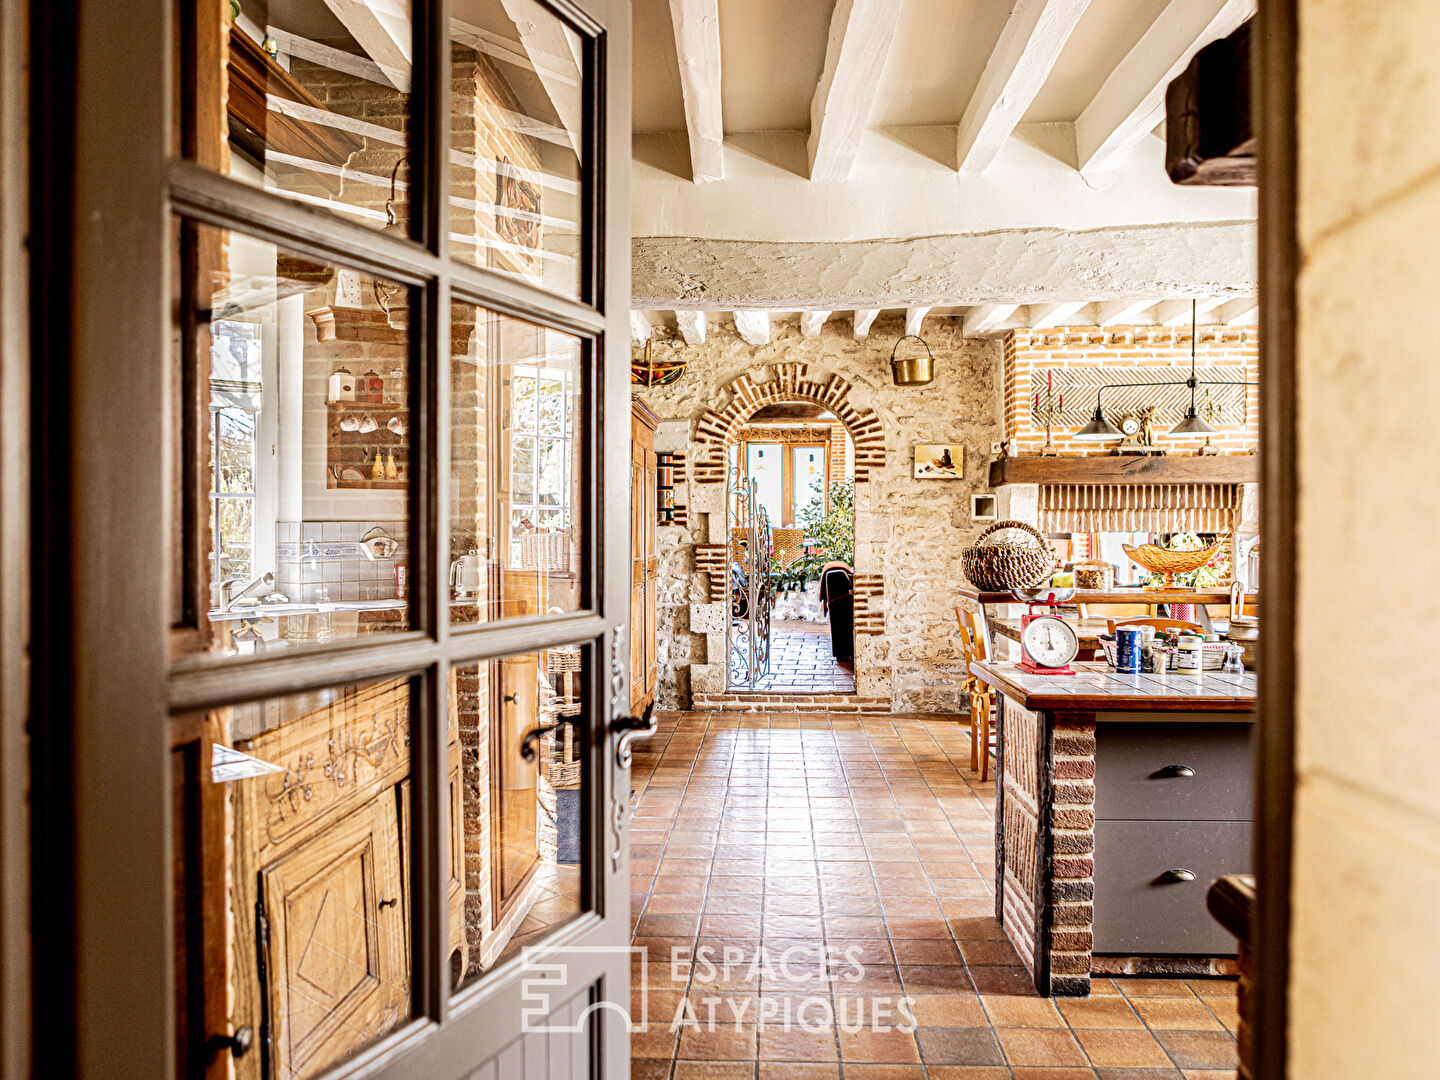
x=1178, y=874
x=534, y=735
x=630, y=729
x=238, y=1044
x=1176, y=770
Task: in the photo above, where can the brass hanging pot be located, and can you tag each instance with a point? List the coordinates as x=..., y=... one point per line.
x=915, y=371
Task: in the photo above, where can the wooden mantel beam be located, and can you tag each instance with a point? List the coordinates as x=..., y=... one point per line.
x=1028, y=47
x=697, y=45
x=860, y=35
x=1131, y=101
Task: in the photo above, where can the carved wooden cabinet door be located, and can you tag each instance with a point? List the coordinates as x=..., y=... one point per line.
x=334, y=948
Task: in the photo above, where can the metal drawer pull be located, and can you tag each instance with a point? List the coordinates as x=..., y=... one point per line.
x=1178, y=874
x=1176, y=770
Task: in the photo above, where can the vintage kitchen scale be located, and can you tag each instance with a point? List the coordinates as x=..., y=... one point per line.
x=1047, y=641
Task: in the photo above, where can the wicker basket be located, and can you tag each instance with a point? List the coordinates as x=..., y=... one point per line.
x=1001, y=568
x=547, y=551
x=562, y=765
x=1163, y=562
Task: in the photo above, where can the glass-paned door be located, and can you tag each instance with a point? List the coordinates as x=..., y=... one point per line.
x=347, y=656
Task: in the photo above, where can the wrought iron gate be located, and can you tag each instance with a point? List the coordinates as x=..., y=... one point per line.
x=750, y=590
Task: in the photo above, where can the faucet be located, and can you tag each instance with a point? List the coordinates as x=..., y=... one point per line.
x=262, y=589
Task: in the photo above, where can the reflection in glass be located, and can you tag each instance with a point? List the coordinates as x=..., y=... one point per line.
x=516, y=147
x=302, y=463
x=316, y=102
x=296, y=858
x=522, y=845
x=516, y=408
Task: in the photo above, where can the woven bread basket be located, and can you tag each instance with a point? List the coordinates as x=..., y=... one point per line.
x=1003, y=567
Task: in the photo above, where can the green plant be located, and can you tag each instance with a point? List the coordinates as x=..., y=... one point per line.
x=829, y=536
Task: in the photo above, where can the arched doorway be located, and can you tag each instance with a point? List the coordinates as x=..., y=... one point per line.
x=790, y=551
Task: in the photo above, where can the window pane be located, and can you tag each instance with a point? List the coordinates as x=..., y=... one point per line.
x=295, y=861
x=316, y=102
x=765, y=462
x=809, y=477
x=515, y=131
x=520, y=851
x=514, y=511
x=302, y=372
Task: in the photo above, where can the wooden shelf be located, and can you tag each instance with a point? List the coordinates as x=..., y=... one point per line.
x=1127, y=469
x=1117, y=596
x=372, y=485
x=400, y=408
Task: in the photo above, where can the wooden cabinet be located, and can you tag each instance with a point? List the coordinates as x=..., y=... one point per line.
x=644, y=564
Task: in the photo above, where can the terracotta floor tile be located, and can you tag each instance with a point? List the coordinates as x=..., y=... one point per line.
x=711, y=1070
x=968, y=1072
x=884, y=1047
x=884, y=1072
x=1134, y=988
x=1098, y=1012
x=1003, y=980
x=649, y=1069
x=1175, y=1014
x=959, y=1046
x=790, y=1070
x=1123, y=1049
x=725, y=1042
x=936, y=979
x=779, y=1043
x=1013, y=1011
x=1054, y=1072
x=926, y=951
x=1040, y=1046
x=948, y=1010
x=1200, y=1049
x=1212, y=988
x=989, y=953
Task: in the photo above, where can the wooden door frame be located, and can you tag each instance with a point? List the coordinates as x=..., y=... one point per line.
x=1274, y=74
x=102, y=676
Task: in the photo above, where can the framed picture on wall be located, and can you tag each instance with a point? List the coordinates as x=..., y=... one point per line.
x=939, y=461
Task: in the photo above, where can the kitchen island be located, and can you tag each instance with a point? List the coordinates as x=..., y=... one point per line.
x=1118, y=800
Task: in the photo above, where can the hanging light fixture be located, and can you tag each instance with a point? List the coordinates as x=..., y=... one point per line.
x=1100, y=429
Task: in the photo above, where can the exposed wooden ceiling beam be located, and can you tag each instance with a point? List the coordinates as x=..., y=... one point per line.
x=692, y=326
x=860, y=36
x=988, y=319
x=697, y=45
x=1028, y=47
x=1177, y=312
x=1121, y=312
x=913, y=317
x=1044, y=315
x=811, y=322
x=552, y=49
x=753, y=327
x=862, y=322
x=641, y=328
x=1132, y=99
x=1242, y=312
x=385, y=36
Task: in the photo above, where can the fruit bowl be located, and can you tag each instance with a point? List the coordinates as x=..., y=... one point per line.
x=1163, y=562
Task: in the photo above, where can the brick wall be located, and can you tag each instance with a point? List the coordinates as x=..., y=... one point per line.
x=1080, y=358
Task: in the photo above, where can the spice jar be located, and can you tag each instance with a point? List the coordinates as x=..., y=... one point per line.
x=1094, y=574
x=1188, y=660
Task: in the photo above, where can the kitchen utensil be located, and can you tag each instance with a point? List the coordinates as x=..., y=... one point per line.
x=465, y=576
x=1161, y=561
x=367, y=425
x=378, y=544
x=349, y=422
x=396, y=425
x=1044, y=594
x=342, y=385
x=1094, y=574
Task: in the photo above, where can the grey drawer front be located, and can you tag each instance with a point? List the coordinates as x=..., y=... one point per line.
x=1138, y=911
x=1132, y=782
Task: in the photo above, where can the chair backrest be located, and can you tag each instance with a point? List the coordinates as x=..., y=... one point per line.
x=1158, y=623
x=972, y=636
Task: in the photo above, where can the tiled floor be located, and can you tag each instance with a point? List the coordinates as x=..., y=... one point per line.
x=872, y=841
x=801, y=662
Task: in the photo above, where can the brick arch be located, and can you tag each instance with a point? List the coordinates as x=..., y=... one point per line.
x=717, y=427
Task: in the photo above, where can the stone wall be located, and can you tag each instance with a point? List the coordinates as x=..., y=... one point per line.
x=1366, y=872
x=908, y=532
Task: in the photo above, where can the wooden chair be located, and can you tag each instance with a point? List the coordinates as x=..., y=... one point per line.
x=975, y=646
x=1159, y=624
